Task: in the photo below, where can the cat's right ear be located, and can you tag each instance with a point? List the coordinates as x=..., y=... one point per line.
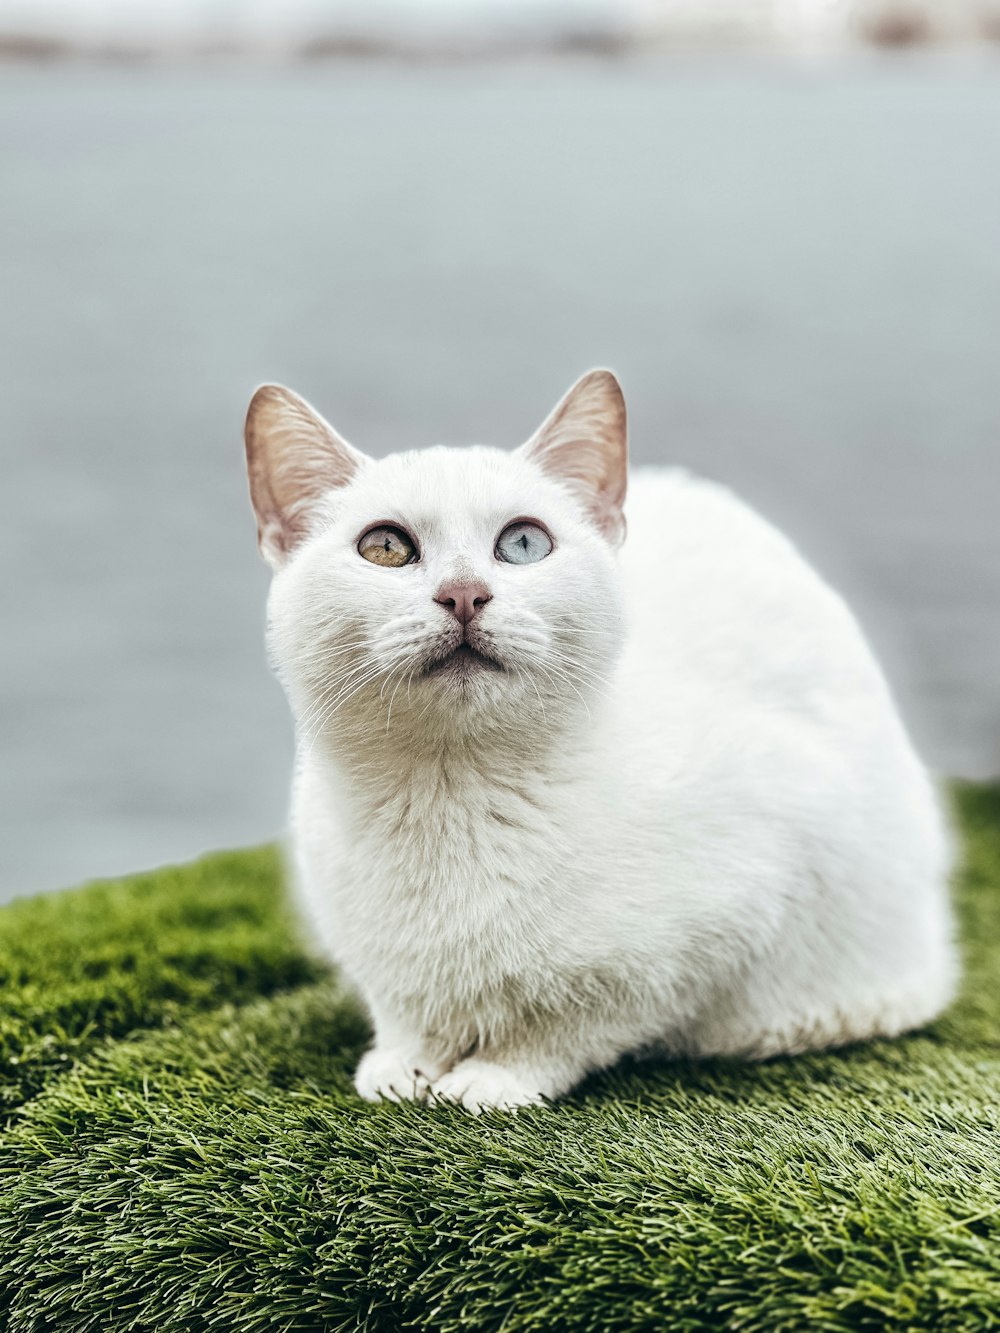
x=294, y=457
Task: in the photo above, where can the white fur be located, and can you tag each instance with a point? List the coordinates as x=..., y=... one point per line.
x=685, y=817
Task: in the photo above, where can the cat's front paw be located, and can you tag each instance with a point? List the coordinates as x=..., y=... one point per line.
x=479, y=1084
x=389, y=1074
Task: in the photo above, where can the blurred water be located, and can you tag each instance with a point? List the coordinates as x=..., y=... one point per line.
x=796, y=274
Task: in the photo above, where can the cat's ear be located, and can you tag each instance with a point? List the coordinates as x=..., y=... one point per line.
x=584, y=444
x=294, y=457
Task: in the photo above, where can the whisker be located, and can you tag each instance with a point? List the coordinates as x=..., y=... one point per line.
x=353, y=681
x=555, y=674
x=392, y=699
x=522, y=675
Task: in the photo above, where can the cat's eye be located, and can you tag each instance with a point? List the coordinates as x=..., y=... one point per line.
x=523, y=544
x=387, y=546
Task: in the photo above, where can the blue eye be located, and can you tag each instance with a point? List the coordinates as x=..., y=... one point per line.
x=523, y=544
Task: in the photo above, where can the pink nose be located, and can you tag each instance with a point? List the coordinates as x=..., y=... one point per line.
x=463, y=600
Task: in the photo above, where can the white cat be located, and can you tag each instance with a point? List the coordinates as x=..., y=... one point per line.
x=554, y=803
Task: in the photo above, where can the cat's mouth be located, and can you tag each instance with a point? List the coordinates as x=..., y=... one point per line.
x=463, y=660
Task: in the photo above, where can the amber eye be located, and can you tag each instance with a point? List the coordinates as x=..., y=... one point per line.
x=387, y=546
x=523, y=544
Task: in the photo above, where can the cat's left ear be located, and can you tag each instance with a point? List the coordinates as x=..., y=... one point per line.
x=584, y=444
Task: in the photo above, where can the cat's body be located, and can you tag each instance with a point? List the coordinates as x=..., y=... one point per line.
x=688, y=820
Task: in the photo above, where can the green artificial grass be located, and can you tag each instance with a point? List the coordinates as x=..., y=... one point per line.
x=182, y=1149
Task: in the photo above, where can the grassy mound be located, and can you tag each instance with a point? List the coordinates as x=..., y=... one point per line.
x=182, y=1149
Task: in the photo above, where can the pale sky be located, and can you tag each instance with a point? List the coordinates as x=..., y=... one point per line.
x=136, y=15
x=808, y=24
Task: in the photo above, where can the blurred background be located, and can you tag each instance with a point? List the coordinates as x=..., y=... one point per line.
x=778, y=221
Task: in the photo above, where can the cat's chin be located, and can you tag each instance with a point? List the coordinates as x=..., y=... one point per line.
x=463, y=663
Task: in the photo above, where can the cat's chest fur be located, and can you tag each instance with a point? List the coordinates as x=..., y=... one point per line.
x=448, y=880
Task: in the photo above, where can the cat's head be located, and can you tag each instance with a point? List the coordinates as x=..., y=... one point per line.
x=444, y=590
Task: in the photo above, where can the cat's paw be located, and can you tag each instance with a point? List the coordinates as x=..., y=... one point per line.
x=390, y=1074
x=479, y=1084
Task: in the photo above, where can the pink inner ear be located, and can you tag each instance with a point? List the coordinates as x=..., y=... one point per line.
x=293, y=458
x=584, y=444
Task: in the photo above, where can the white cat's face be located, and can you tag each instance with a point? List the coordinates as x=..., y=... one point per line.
x=444, y=589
